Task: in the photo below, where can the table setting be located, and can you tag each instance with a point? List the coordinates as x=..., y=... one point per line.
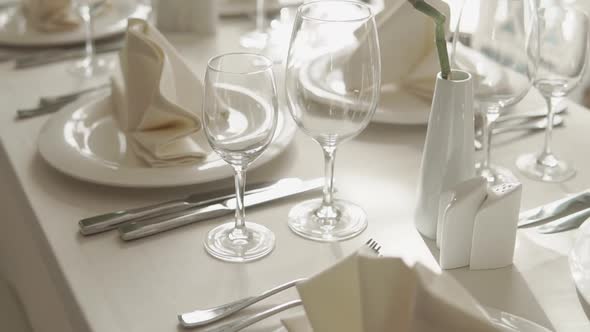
x=162, y=166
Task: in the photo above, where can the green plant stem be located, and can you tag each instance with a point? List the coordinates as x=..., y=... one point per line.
x=441, y=42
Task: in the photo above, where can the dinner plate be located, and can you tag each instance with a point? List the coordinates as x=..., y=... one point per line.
x=579, y=260
x=396, y=106
x=86, y=143
x=14, y=30
x=504, y=321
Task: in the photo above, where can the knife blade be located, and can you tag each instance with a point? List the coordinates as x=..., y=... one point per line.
x=142, y=228
x=50, y=56
x=572, y=221
x=552, y=209
x=112, y=220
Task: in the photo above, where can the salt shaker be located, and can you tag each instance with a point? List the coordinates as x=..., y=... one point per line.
x=494, y=230
x=458, y=208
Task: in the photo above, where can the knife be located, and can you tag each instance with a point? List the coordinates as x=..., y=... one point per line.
x=108, y=221
x=572, y=221
x=552, y=209
x=50, y=56
x=142, y=228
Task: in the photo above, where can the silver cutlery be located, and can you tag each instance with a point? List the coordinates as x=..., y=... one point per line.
x=149, y=226
x=208, y=316
x=112, y=220
x=531, y=125
x=571, y=221
x=53, y=104
x=56, y=55
x=530, y=114
x=552, y=209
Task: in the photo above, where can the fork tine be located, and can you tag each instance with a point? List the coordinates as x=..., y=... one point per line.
x=373, y=245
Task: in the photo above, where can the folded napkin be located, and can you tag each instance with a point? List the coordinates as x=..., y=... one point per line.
x=364, y=293
x=155, y=95
x=409, y=59
x=50, y=15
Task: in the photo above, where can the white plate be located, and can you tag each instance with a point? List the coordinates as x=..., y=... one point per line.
x=579, y=260
x=505, y=322
x=15, y=31
x=86, y=144
x=396, y=106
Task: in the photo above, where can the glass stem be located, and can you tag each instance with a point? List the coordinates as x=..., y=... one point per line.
x=488, y=125
x=260, y=16
x=329, y=155
x=240, y=180
x=86, y=14
x=551, y=103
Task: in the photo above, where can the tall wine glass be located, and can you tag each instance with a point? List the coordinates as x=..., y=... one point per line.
x=495, y=40
x=256, y=39
x=240, y=112
x=563, y=40
x=90, y=66
x=335, y=42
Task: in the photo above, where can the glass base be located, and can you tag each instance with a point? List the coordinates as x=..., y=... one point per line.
x=313, y=221
x=545, y=167
x=254, y=40
x=495, y=175
x=86, y=69
x=230, y=244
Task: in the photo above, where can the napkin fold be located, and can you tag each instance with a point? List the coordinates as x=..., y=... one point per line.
x=364, y=293
x=50, y=15
x=409, y=59
x=154, y=95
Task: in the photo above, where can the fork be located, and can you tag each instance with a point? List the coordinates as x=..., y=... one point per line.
x=207, y=316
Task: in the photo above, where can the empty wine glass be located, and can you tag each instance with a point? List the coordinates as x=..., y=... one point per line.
x=495, y=41
x=563, y=49
x=240, y=112
x=256, y=39
x=332, y=83
x=90, y=66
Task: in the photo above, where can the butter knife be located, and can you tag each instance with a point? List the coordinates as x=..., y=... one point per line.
x=108, y=221
x=43, y=58
x=571, y=221
x=142, y=228
x=552, y=209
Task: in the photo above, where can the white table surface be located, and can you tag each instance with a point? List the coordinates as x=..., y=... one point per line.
x=68, y=282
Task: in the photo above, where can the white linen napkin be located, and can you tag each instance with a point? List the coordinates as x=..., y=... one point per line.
x=409, y=59
x=364, y=293
x=50, y=15
x=155, y=95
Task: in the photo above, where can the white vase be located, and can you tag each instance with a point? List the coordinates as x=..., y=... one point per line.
x=448, y=155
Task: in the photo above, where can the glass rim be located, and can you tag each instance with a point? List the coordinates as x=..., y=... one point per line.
x=348, y=2
x=267, y=65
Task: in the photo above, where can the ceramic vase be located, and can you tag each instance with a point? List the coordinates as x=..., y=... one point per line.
x=448, y=155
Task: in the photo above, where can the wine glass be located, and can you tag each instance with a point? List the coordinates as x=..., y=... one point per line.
x=563, y=49
x=240, y=112
x=90, y=66
x=335, y=42
x=256, y=39
x=496, y=41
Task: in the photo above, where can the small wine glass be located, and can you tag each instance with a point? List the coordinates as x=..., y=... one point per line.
x=240, y=112
x=563, y=49
x=495, y=41
x=258, y=38
x=337, y=42
x=90, y=66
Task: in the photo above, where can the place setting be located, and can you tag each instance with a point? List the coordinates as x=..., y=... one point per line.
x=440, y=79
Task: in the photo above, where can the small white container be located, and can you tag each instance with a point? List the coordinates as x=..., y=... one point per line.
x=494, y=230
x=448, y=156
x=198, y=16
x=456, y=220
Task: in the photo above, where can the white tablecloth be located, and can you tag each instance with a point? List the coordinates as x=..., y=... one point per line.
x=67, y=282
